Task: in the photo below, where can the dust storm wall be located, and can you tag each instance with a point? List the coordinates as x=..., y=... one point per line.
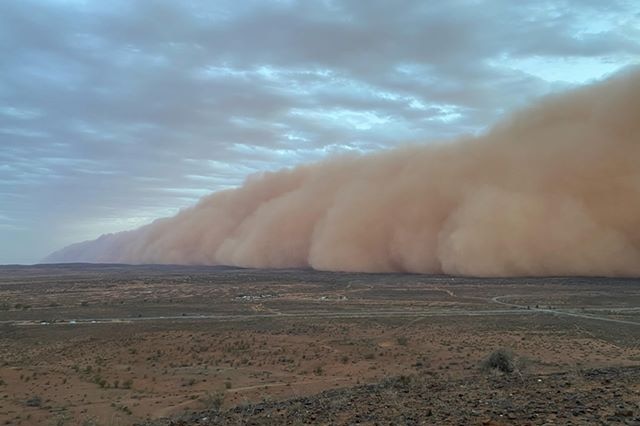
x=553, y=189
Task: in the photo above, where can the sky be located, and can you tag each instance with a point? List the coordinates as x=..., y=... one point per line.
x=115, y=113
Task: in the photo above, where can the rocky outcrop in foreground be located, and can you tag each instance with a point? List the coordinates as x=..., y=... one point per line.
x=591, y=397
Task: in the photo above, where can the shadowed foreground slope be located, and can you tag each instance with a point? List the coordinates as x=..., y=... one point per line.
x=576, y=397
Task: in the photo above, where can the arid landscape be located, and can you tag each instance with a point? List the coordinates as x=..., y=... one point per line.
x=326, y=212
x=120, y=345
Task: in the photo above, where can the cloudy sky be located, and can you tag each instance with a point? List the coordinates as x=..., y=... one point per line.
x=113, y=113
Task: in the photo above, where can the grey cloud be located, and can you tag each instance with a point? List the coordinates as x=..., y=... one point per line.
x=104, y=104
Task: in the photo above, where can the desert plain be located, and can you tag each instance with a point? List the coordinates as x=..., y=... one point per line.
x=89, y=344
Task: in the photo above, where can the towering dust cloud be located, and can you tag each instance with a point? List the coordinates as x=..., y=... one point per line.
x=553, y=190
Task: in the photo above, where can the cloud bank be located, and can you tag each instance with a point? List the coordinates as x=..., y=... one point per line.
x=113, y=113
x=552, y=190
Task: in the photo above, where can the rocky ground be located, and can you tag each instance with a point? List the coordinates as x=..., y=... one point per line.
x=592, y=397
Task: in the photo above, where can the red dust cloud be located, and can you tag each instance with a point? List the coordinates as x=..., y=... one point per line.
x=554, y=189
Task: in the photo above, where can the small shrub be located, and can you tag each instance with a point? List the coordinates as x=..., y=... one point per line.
x=61, y=420
x=213, y=401
x=500, y=360
x=34, y=401
x=404, y=380
x=402, y=340
x=100, y=381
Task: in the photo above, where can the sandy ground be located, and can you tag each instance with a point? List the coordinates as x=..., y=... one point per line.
x=123, y=345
